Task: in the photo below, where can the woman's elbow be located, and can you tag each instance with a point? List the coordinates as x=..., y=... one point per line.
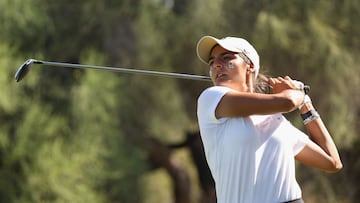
x=336, y=167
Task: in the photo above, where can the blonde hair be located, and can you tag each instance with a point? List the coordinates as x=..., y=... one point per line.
x=262, y=84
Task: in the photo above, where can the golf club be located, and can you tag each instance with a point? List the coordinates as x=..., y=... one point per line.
x=25, y=67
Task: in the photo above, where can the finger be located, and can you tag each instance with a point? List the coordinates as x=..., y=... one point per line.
x=275, y=80
x=271, y=81
x=281, y=79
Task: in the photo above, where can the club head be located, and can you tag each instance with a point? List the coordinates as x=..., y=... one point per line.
x=306, y=89
x=23, y=69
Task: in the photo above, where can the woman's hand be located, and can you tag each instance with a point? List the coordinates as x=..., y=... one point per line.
x=292, y=89
x=280, y=84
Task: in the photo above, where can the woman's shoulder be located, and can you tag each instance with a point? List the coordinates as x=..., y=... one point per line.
x=213, y=92
x=216, y=90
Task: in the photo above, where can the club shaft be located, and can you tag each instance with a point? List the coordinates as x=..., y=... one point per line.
x=126, y=70
x=24, y=68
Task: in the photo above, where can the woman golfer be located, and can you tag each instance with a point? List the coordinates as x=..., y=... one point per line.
x=249, y=145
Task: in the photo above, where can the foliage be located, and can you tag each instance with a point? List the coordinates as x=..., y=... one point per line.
x=77, y=136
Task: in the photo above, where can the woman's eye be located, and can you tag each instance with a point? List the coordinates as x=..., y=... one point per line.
x=227, y=57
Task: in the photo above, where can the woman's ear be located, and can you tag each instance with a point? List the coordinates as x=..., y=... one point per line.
x=252, y=68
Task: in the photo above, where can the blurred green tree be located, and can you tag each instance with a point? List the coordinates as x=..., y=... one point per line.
x=74, y=136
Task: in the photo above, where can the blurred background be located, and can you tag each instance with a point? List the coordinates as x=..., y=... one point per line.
x=71, y=135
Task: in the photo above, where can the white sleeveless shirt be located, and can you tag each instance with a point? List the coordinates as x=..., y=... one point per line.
x=251, y=158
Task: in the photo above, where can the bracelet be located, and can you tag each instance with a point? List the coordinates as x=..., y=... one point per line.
x=310, y=116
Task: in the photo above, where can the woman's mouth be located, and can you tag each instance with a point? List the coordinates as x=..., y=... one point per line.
x=220, y=75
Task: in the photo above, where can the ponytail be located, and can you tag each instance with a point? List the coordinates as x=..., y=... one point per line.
x=262, y=84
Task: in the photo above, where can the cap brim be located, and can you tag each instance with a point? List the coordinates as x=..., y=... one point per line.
x=205, y=46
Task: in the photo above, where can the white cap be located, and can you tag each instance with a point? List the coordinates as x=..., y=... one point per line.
x=233, y=44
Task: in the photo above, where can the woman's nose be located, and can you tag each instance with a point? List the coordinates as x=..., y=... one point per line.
x=217, y=64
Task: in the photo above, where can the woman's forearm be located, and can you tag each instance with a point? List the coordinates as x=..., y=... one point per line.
x=320, y=135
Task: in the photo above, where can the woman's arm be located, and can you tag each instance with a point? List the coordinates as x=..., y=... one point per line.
x=322, y=152
x=286, y=98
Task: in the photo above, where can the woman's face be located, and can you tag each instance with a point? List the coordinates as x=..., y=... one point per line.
x=228, y=69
